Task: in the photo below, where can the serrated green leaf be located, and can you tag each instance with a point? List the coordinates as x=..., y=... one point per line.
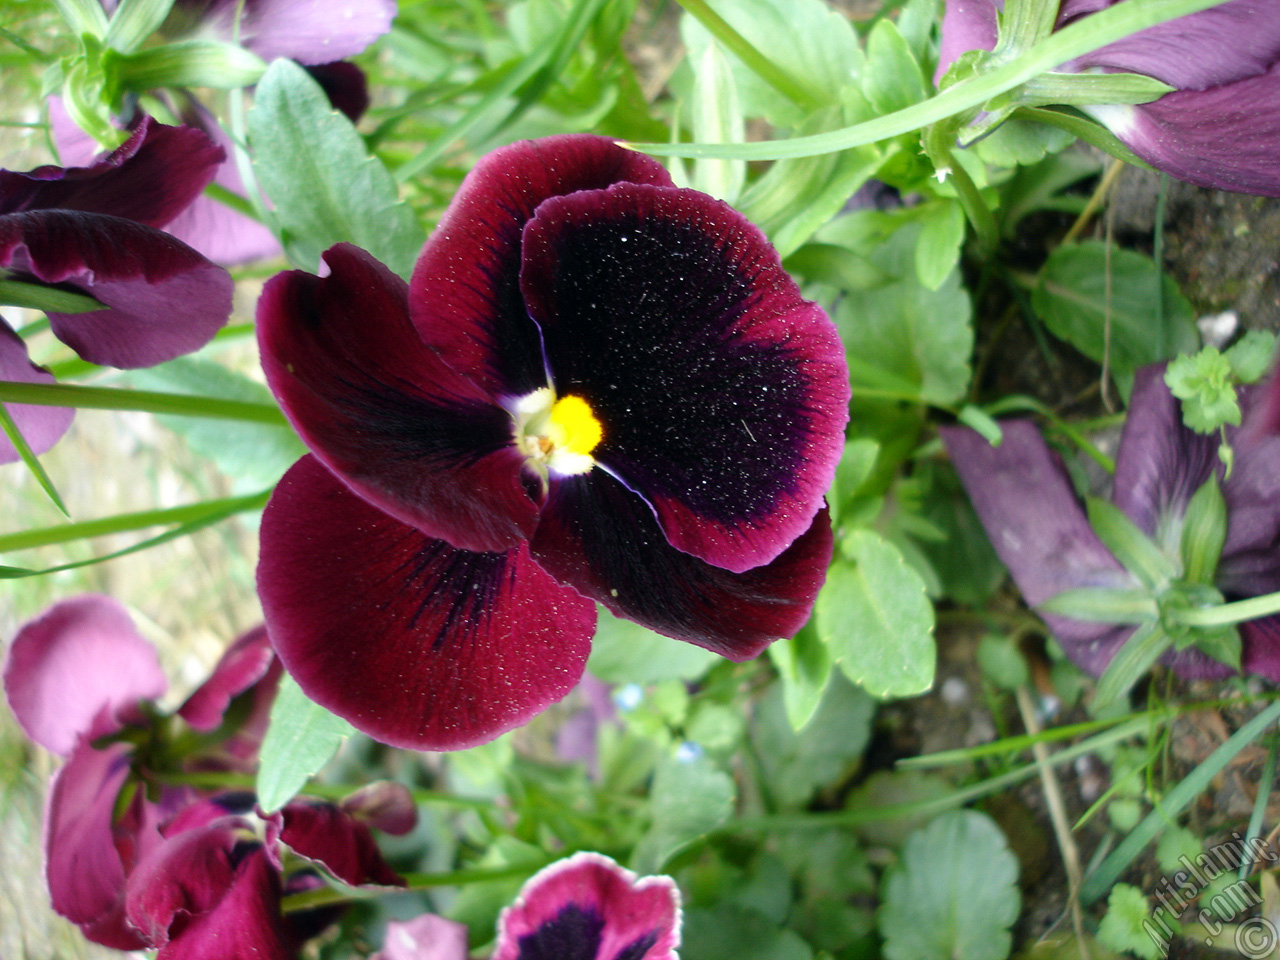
x=804, y=665
x=324, y=184
x=1125, y=925
x=301, y=738
x=1078, y=290
x=938, y=249
x=1250, y=356
x=690, y=798
x=874, y=615
x=1204, y=382
x=953, y=894
x=1021, y=143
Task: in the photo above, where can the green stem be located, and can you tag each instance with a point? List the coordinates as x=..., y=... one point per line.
x=67, y=532
x=107, y=398
x=938, y=145
x=220, y=780
x=745, y=50
x=1225, y=613
x=325, y=896
x=1086, y=34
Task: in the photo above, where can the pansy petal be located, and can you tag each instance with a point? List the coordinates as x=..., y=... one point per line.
x=241, y=666
x=163, y=299
x=427, y=937
x=1260, y=640
x=206, y=895
x=589, y=908
x=41, y=427
x=416, y=643
x=966, y=25
x=309, y=31
x=1201, y=50
x=1214, y=138
x=326, y=833
x=464, y=296
x=384, y=805
x=722, y=394
x=77, y=670
x=397, y=425
x=602, y=539
x=82, y=867
x=150, y=178
x=345, y=85
x=1021, y=494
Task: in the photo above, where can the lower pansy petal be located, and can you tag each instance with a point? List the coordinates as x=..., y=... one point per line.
x=79, y=670
x=589, y=908
x=399, y=426
x=41, y=427
x=418, y=644
x=326, y=833
x=721, y=394
x=246, y=662
x=162, y=298
x=603, y=539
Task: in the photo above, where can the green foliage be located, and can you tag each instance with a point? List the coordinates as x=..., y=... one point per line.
x=1206, y=387
x=735, y=933
x=323, y=183
x=931, y=905
x=301, y=738
x=690, y=798
x=1123, y=926
x=804, y=667
x=625, y=652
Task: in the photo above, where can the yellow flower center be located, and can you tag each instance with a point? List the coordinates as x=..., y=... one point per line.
x=557, y=433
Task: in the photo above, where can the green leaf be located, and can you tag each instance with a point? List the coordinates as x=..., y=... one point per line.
x=875, y=616
x=37, y=296
x=901, y=331
x=953, y=894
x=1103, y=605
x=625, y=652
x=731, y=932
x=325, y=186
x=1075, y=297
x=1204, y=383
x=28, y=457
x=856, y=463
x=302, y=737
x=254, y=455
x=187, y=63
x=938, y=249
x=134, y=21
x=1125, y=927
x=717, y=118
x=891, y=79
x=689, y=798
x=1136, y=551
x=1021, y=143
x=1138, y=654
x=1250, y=356
x=1002, y=662
x=804, y=665
x=796, y=765
x=1204, y=532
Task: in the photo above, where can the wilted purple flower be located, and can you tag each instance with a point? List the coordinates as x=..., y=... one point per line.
x=94, y=230
x=598, y=387
x=1037, y=525
x=1219, y=128
x=80, y=673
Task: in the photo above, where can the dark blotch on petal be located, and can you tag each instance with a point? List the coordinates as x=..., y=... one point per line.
x=722, y=393
x=572, y=934
x=602, y=538
x=416, y=643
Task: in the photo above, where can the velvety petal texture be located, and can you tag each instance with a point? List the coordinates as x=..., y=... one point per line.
x=596, y=387
x=79, y=670
x=722, y=394
x=328, y=834
x=309, y=31
x=41, y=427
x=589, y=908
x=247, y=662
x=415, y=642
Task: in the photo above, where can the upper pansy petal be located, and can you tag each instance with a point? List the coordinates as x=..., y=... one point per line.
x=1026, y=504
x=41, y=427
x=602, y=538
x=465, y=296
x=397, y=425
x=1215, y=138
x=79, y=669
x=589, y=908
x=416, y=643
x=966, y=25
x=325, y=832
x=1206, y=49
x=150, y=178
x=309, y=31
x=427, y=937
x=242, y=665
x=722, y=394
x=163, y=299
x=83, y=869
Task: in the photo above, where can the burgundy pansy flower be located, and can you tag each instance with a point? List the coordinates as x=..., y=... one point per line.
x=1218, y=128
x=597, y=387
x=81, y=672
x=93, y=230
x=1037, y=525
x=213, y=887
